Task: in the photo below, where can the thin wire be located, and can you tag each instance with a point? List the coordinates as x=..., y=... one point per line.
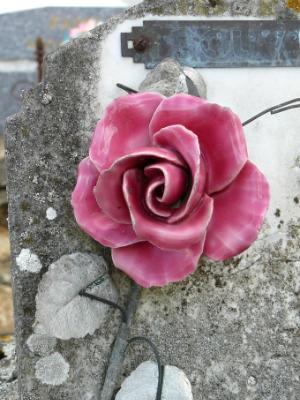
x=126, y=88
x=285, y=109
x=275, y=109
x=159, y=366
x=105, y=301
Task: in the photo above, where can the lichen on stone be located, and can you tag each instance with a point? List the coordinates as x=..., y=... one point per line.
x=41, y=344
x=51, y=213
x=52, y=370
x=28, y=261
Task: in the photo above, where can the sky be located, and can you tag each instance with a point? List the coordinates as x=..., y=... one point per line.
x=18, y=5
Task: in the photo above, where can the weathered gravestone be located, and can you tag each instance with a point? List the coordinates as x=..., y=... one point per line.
x=232, y=327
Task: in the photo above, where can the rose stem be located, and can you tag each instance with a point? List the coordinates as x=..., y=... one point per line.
x=115, y=364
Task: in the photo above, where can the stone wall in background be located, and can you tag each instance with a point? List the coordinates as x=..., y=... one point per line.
x=233, y=327
x=55, y=25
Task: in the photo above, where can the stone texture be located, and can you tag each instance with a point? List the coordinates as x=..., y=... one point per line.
x=142, y=384
x=8, y=364
x=169, y=78
x=8, y=391
x=233, y=327
x=8, y=372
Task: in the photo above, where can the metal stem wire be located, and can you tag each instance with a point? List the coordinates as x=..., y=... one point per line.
x=126, y=88
x=158, y=361
x=275, y=109
x=134, y=339
x=105, y=301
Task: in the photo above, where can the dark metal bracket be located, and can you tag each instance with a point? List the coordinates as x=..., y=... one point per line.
x=215, y=43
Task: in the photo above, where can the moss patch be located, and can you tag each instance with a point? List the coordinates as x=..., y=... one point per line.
x=268, y=7
x=294, y=4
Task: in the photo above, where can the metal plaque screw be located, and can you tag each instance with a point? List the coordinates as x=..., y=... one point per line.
x=141, y=43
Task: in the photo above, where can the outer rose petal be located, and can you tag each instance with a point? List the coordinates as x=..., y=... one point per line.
x=90, y=217
x=108, y=190
x=150, y=266
x=219, y=130
x=124, y=128
x=238, y=214
x=160, y=233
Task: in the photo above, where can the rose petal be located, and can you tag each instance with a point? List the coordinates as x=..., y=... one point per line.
x=160, y=233
x=90, y=217
x=150, y=266
x=184, y=142
x=219, y=130
x=175, y=180
x=238, y=214
x=124, y=128
x=108, y=190
x=151, y=201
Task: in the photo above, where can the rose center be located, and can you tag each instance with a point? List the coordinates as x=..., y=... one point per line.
x=165, y=189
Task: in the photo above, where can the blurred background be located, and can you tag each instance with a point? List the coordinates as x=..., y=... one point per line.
x=29, y=30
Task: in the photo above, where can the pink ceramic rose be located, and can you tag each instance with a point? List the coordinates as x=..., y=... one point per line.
x=166, y=180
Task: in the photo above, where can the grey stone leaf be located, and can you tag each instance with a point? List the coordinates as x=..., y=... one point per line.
x=60, y=310
x=142, y=384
